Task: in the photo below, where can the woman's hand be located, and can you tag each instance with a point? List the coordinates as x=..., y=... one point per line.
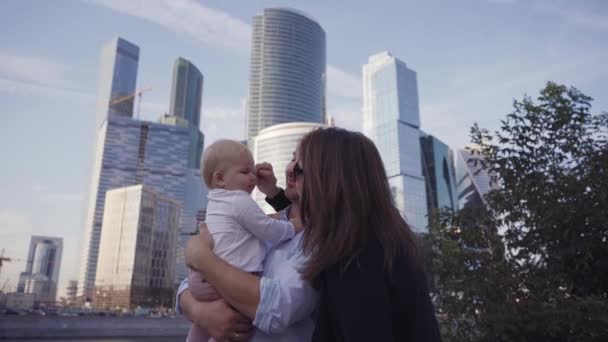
x=225, y=324
x=221, y=321
x=198, y=248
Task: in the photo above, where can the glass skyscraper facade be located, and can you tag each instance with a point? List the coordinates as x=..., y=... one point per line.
x=276, y=145
x=186, y=99
x=287, y=76
x=117, y=79
x=186, y=91
x=136, y=265
x=473, y=182
x=134, y=152
x=391, y=119
x=439, y=173
x=42, y=271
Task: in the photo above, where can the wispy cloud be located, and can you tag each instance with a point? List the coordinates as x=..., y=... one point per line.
x=188, y=17
x=574, y=14
x=33, y=69
x=217, y=28
x=22, y=74
x=28, y=88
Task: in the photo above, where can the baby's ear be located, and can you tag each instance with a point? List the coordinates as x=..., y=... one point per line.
x=218, y=178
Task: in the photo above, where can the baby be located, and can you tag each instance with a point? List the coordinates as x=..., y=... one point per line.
x=237, y=224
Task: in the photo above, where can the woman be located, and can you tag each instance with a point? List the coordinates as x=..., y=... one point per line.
x=361, y=254
x=279, y=303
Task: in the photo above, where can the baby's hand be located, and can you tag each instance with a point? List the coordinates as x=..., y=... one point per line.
x=297, y=224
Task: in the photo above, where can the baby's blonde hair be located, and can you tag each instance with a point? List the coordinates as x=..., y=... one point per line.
x=219, y=156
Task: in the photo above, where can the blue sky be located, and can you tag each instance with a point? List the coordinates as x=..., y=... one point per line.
x=472, y=58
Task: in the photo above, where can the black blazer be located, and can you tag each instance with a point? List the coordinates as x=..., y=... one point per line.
x=364, y=303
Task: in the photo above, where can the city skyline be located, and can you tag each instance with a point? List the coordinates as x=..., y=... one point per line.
x=163, y=156
x=498, y=51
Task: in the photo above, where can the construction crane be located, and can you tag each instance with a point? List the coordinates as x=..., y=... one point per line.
x=137, y=93
x=3, y=259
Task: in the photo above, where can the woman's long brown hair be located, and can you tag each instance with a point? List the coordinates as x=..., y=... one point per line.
x=346, y=200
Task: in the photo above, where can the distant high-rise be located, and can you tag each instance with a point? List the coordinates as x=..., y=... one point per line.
x=117, y=79
x=391, y=119
x=439, y=173
x=473, y=182
x=287, y=76
x=276, y=145
x=71, y=292
x=186, y=92
x=136, y=265
x=186, y=99
x=42, y=271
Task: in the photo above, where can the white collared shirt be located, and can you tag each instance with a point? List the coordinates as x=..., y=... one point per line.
x=239, y=228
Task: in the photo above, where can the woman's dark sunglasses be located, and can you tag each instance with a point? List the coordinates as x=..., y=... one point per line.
x=297, y=171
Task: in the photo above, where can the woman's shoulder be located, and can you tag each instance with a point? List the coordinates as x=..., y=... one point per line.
x=367, y=261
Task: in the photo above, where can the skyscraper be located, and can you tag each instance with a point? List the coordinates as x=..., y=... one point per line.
x=473, y=182
x=136, y=265
x=186, y=99
x=287, y=77
x=186, y=91
x=117, y=79
x=42, y=271
x=439, y=173
x=391, y=119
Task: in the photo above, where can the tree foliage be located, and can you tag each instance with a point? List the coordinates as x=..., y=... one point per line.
x=545, y=277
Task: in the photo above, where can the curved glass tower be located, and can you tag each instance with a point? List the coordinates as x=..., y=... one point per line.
x=287, y=79
x=186, y=98
x=186, y=92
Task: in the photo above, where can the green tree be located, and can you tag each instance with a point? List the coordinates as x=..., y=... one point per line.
x=549, y=161
x=471, y=276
